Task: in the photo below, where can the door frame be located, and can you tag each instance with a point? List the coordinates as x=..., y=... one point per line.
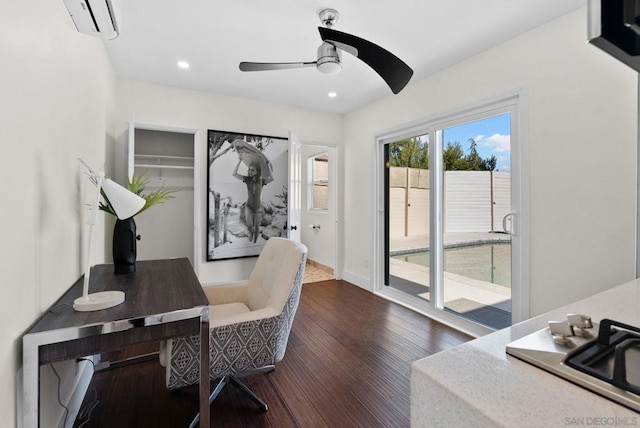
x=333, y=151
x=519, y=201
x=294, y=208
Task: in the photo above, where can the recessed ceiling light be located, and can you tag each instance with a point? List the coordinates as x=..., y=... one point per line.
x=183, y=64
x=332, y=95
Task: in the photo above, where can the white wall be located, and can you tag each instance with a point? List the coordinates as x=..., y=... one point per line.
x=161, y=105
x=581, y=115
x=57, y=102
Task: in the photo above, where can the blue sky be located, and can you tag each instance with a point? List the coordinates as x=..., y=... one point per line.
x=492, y=135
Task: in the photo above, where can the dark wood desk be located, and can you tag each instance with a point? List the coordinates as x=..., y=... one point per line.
x=163, y=299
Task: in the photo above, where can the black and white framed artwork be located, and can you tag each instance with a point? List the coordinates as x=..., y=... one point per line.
x=247, y=190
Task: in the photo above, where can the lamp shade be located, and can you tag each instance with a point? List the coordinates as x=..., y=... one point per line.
x=124, y=202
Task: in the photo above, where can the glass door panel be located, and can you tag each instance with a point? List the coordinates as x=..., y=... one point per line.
x=407, y=216
x=476, y=209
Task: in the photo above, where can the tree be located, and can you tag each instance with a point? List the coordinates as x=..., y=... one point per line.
x=456, y=160
x=410, y=152
x=414, y=153
x=453, y=157
x=491, y=163
x=473, y=159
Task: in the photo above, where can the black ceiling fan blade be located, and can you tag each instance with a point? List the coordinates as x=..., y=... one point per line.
x=392, y=69
x=265, y=66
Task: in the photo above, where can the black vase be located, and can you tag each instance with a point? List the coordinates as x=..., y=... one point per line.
x=124, y=246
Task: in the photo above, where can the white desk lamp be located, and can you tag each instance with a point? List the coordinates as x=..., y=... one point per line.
x=125, y=204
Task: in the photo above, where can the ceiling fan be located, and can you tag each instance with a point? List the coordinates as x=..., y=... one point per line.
x=391, y=68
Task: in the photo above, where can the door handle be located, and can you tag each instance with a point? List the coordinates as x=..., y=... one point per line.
x=509, y=217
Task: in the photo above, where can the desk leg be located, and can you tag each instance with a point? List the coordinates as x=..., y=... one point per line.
x=204, y=371
x=30, y=385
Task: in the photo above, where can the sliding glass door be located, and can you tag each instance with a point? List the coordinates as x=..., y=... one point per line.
x=451, y=201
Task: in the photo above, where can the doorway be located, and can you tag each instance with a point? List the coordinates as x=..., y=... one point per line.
x=319, y=208
x=167, y=158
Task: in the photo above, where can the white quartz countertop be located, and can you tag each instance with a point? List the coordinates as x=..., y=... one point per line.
x=478, y=385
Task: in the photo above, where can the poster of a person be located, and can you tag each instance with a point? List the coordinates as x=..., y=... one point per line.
x=255, y=180
x=247, y=186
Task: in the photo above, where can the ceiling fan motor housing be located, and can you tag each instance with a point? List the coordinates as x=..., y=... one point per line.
x=328, y=59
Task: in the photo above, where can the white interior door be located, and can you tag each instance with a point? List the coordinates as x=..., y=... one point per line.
x=130, y=151
x=295, y=188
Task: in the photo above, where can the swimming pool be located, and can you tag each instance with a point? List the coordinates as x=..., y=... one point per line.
x=490, y=262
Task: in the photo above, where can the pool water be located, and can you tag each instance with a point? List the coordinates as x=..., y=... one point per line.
x=484, y=262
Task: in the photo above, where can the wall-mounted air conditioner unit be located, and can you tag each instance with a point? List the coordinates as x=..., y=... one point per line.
x=95, y=17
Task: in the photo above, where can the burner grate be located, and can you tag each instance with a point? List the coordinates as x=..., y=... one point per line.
x=608, y=365
x=614, y=357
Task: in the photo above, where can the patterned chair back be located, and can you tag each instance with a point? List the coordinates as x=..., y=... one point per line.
x=241, y=347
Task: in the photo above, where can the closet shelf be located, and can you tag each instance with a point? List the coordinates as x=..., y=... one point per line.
x=164, y=157
x=163, y=161
x=162, y=166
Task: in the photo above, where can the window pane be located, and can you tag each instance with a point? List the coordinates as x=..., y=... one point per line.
x=320, y=168
x=319, y=182
x=321, y=196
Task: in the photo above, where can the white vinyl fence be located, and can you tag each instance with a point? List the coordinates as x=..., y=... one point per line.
x=474, y=201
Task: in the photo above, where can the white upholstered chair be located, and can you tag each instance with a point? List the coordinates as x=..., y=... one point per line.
x=250, y=322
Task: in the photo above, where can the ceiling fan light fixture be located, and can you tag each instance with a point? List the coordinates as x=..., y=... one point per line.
x=328, y=59
x=329, y=67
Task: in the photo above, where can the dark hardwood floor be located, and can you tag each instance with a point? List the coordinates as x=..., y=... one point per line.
x=347, y=364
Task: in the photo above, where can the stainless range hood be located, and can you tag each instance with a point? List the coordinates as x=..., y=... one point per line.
x=614, y=27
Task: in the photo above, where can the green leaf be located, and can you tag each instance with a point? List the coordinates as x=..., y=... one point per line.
x=137, y=186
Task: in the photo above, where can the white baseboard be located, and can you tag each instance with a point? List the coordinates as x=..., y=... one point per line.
x=355, y=279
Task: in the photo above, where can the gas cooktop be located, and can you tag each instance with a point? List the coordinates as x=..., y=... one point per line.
x=603, y=358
